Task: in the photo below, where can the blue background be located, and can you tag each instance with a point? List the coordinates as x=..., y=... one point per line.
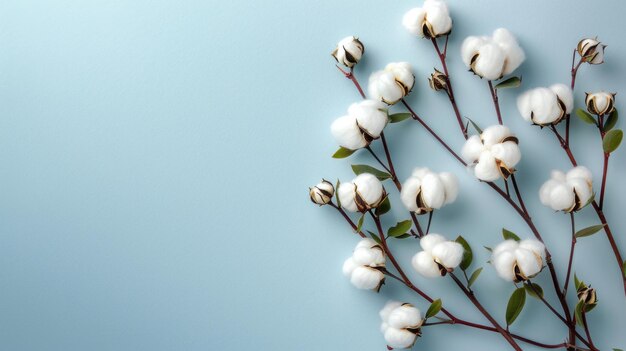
x=155, y=159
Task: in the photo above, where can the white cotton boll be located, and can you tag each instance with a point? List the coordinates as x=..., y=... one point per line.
x=486, y=169
x=599, y=55
x=561, y=190
x=449, y=254
x=372, y=257
x=561, y=197
x=503, y=263
x=346, y=193
x=366, y=278
x=451, y=186
x=507, y=245
x=507, y=152
x=408, y=194
x=472, y=148
x=579, y=172
x=470, y=47
x=600, y=103
x=490, y=61
x=383, y=87
x=424, y=263
x=403, y=74
x=513, y=52
x=371, y=116
x=494, y=134
x=389, y=307
x=564, y=93
x=369, y=188
x=399, y=338
x=349, y=51
x=528, y=262
x=533, y=245
x=433, y=191
x=347, y=133
x=348, y=267
x=413, y=20
x=405, y=316
x=429, y=241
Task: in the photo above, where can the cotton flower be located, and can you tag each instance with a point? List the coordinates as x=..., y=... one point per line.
x=425, y=191
x=493, y=154
x=322, y=193
x=518, y=261
x=569, y=191
x=591, y=51
x=600, y=103
x=439, y=257
x=432, y=20
x=349, y=51
x=363, y=123
x=401, y=324
x=393, y=83
x=365, y=266
x=361, y=194
x=545, y=106
x=492, y=57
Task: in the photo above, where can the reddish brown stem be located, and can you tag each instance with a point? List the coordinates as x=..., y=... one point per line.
x=496, y=104
x=350, y=75
x=347, y=218
x=605, y=169
x=571, y=254
x=450, y=90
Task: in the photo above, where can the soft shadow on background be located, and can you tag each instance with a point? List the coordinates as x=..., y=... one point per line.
x=156, y=155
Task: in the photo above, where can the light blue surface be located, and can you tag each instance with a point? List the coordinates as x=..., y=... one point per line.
x=155, y=158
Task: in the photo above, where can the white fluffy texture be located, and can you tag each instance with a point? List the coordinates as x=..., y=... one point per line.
x=559, y=192
x=317, y=194
x=351, y=45
x=391, y=84
x=437, y=249
x=436, y=189
x=599, y=103
x=496, y=56
x=366, y=117
x=397, y=318
x=526, y=254
x=361, y=267
x=368, y=187
x=433, y=13
x=485, y=150
x=540, y=105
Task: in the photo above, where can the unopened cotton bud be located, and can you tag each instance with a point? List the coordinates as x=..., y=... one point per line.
x=361, y=194
x=493, y=154
x=546, y=106
x=438, y=81
x=518, y=261
x=393, y=83
x=349, y=51
x=432, y=20
x=492, y=57
x=425, y=190
x=569, y=191
x=400, y=324
x=439, y=256
x=600, y=103
x=587, y=295
x=364, y=122
x=322, y=193
x=591, y=51
x=364, y=267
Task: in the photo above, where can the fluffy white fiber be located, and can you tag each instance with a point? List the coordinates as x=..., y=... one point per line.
x=518, y=261
x=493, y=154
x=363, y=123
x=544, y=106
x=430, y=21
x=425, y=190
x=492, y=57
x=362, y=267
x=439, y=255
x=567, y=191
x=400, y=324
x=391, y=84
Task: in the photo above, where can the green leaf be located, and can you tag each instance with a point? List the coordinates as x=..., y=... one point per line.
x=359, y=169
x=342, y=152
x=589, y=231
x=618, y=350
x=399, y=117
x=515, y=305
x=337, y=193
x=512, y=82
x=577, y=282
x=433, y=309
x=480, y=131
x=467, y=253
x=375, y=237
x=400, y=228
x=507, y=234
x=585, y=116
x=383, y=208
x=359, y=224
x=611, y=121
x=579, y=312
x=535, y=290
x=474, y=276
x=404, y=236
x=611, y=140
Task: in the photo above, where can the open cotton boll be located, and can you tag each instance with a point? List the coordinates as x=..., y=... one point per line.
x=363, y=267
x=366, y=278
x=507, y=152
x=400, y=324
x=544, y=106
x=518, y=261
x=439, y=256
x=472, y=148
x=449, y=254
x=389, y=307
x=346, y=193
x=346, y=132
x=431, y=21
x=369, y=256
x=567, y=192
x=399, y=338
x=349, y=51
x=371, y=116
x=591, y=51
x=424, y=263
x=391, y=84
x=494, y=154
x=504, y=263
x=369, y=188
x=565, y=95
x=489, y=61
x=425, y=190
x=492, y=57
x=495, y=134
x=512, y=51
x=405, y=316
x=486, y=168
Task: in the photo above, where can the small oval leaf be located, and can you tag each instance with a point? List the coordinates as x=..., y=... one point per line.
x=375, y=237
x=360, y=169
x=585, y=116
x=383, y=208
x=468, y=256
x=342, y=152
x=509, y=235
x=611, y=140
x=589, y=231
x=473, y=277
x=534, y=290
x=399, y=117
x=611, y=120
x=512, y=82
x=400, y=228
x=478, y=129
x=515, y=305
x=433, y=309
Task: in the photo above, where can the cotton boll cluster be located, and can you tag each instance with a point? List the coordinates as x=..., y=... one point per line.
x=432, y=20
x=517, y=261
x=401, y=324
x=425, y=190
x=600, y=103
x=393, y=83
x=545, y=106
x=591, y=51
x=569, y=191
x=439, y=257
x=365, y=266
x=492, y=57
x=361, y=194
x=349, y=51
x=322, y=193
x=493, y=154
x=363, y=123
